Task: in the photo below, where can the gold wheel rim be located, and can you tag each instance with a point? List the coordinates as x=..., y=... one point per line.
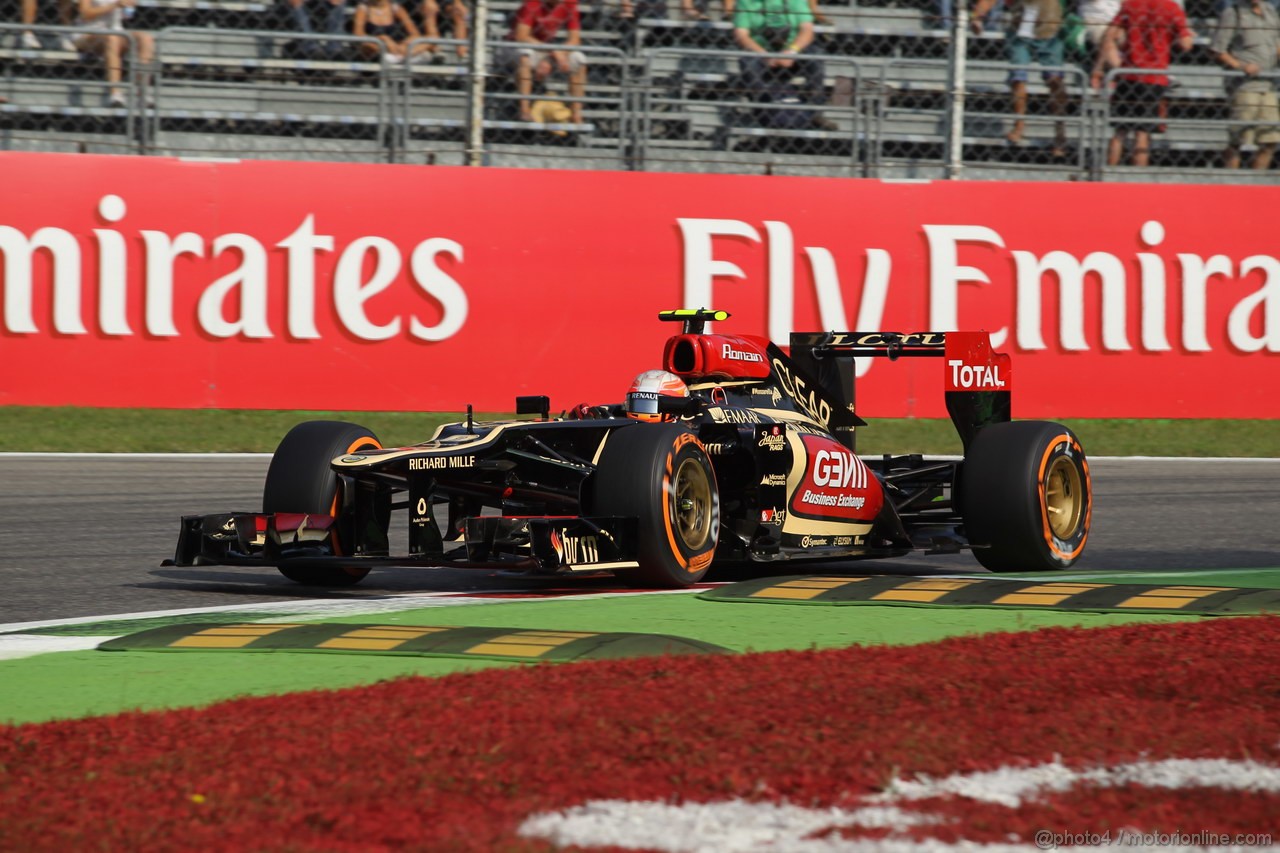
x=692, y=504
x=1063, y=498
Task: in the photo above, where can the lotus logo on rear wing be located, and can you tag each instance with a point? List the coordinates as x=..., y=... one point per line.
x=889, y=344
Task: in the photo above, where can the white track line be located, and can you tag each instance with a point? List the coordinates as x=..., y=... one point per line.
x=324, y=607
x=738, y=826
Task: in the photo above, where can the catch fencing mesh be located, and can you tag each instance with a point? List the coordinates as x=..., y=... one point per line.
x=903, y=90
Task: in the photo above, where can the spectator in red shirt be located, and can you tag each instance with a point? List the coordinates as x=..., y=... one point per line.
x=539, y=22
x=1149, y=30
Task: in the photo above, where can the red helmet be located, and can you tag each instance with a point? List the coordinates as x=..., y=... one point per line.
x=642, y=398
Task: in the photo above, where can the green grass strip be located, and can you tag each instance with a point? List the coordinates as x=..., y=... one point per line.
x=90, y=683
x=55, y=429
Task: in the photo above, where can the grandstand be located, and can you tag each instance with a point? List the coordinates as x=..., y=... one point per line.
x=664, y=94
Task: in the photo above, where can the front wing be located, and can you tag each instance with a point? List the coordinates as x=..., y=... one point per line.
x=548, y=545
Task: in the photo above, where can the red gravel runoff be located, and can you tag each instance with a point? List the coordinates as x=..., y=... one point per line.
x=457, y=763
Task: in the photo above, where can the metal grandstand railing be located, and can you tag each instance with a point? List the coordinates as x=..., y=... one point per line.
x=1182, y=139
x=698, y=101
x=247, y=92
x=50, y=99
x=665, y=91
x=917, y=112
x=434, y=111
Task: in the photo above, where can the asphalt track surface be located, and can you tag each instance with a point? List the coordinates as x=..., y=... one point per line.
x=83, y=536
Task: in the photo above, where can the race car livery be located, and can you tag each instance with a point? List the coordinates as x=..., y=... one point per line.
x=756, y=461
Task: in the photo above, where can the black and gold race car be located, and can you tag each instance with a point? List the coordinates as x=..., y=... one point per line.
x=735, y=451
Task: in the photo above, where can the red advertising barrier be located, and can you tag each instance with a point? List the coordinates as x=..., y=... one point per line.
x=177, y=283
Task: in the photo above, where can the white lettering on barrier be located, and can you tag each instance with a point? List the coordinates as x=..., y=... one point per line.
x=350, y=293
x=701, y=268
x=111, y=282
x=440, y=286
x=64, y=254
x=236, y=303
x=1253, y=322
x=302, y=246
x=162, y=252
x=946, y=274
x=249, y=280
x=1072, y=273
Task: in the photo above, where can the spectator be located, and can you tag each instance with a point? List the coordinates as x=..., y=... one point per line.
x=700, y=10
x=1097, y=16
x=458, y=15
x=1248, y=40
x=1035, y=33
x=946, y=15
x=785, y=28
x=1149, y=29
x=297, y=14
x=538, y=22
x=103, y=16
x=28, y=38
x=391, y=25
x=631, y=10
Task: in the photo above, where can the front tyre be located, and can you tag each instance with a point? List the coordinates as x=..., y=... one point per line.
x=661, y=475
x=300, y=479
x=1026, y=495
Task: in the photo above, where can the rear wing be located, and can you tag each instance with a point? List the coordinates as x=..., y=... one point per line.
x=978, y=380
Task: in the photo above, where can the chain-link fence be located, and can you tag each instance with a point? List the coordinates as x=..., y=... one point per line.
x=52, y=99
x=914, y=90
x=578, y=116
x=262, y=93
x=731, y=108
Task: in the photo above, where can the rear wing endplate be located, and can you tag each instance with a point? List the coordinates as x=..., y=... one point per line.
x=978, y=381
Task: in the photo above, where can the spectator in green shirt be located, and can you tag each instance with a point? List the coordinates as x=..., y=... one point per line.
x=779, y=34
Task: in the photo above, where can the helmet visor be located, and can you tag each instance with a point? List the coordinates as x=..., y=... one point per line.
x=642, y=403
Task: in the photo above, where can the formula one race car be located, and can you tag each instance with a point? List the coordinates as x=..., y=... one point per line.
x=736, y=451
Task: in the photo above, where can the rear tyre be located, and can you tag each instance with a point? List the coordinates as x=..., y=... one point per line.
x=661, y=475
x=300, y=479
x=1025, y=493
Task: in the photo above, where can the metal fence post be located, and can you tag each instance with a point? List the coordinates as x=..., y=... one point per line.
x=475, y=102
x=1094, y=107
x=955, y=87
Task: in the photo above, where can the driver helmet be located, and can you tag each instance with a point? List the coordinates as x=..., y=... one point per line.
x=642, y=398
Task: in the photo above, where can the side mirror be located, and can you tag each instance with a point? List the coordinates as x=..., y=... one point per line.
x=539, y=404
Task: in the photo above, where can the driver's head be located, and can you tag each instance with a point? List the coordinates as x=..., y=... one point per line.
x=642, y=398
